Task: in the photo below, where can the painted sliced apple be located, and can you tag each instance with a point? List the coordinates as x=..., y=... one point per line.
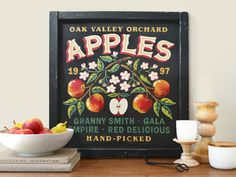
x=118, y=106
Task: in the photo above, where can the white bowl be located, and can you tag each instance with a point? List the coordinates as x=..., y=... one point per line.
x=35, y=144
x=222, y=157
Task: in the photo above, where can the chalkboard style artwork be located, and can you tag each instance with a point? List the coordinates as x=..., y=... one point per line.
x=119, y=80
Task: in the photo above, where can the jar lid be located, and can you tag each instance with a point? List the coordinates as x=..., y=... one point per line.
x=223, y=144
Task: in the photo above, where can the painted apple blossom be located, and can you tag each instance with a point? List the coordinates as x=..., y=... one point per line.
x=154, y=66
x=129, y=62
x=83, y=66
x=125, y=75
x=92, y=65
x=144, y=65
x=84, y=75
x=124, y=86
x=153, y=75
x=111, y=88
x=114, y=79
x=114, y=54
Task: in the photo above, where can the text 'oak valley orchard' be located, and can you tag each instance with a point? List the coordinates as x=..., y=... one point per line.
x=145, y=47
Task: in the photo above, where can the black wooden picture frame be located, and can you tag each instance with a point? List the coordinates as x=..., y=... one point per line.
x=183, y=105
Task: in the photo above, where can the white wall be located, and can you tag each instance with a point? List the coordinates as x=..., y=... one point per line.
x=24, y=54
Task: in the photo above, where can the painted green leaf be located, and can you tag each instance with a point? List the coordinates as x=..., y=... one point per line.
x=100, y=65
x=98, y=89
x=145, y=79
x=124, y=95
x=92, y=78
x=138, y=90
x=114, y=68
x=107, y=59
x=167, y=112
x=157, y=108
x=113, y=95
x=135, y=66
x=71, y=101
x=71, y=110
x=167, y=101
x=80, y=107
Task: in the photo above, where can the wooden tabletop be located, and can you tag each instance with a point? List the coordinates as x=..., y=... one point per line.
x=128, y=168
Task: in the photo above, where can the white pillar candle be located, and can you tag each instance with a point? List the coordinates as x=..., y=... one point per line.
x=186, y=130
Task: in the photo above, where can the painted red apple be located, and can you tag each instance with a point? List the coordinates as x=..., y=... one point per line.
x=45, y=131
x=161, y=88
x=24, y=131
x=142, y=103
x=76, y=88
x=95, y=103
x=118, y=106
x=34, y=124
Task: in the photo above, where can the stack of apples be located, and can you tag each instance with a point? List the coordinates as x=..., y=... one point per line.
x=35, y=126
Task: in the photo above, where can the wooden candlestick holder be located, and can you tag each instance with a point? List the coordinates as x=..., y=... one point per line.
x=206, y=115
x=186, y=157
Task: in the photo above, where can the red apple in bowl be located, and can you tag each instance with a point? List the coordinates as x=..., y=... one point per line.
x=45, y=131
x=12, y=130
x=24, y=131
x=34, y=124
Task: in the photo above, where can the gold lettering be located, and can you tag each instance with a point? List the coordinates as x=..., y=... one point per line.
x=164, y=29
x=93, y=29
x=153, y=29
x=108, y=138
x=84, y=29
x=141, y=139
x=102, y=138
x=72, y=29
x=120, y=28
x=95, y=138
x=88, y=138
x=158, y=29
x=78, y=29
x=148, y=138
x=98, y=138
x=129, y=29
x=118, y=138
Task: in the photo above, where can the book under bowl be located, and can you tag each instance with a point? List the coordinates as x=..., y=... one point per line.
x=63, y=160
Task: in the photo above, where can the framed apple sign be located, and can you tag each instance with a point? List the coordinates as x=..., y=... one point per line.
x=120, y=80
